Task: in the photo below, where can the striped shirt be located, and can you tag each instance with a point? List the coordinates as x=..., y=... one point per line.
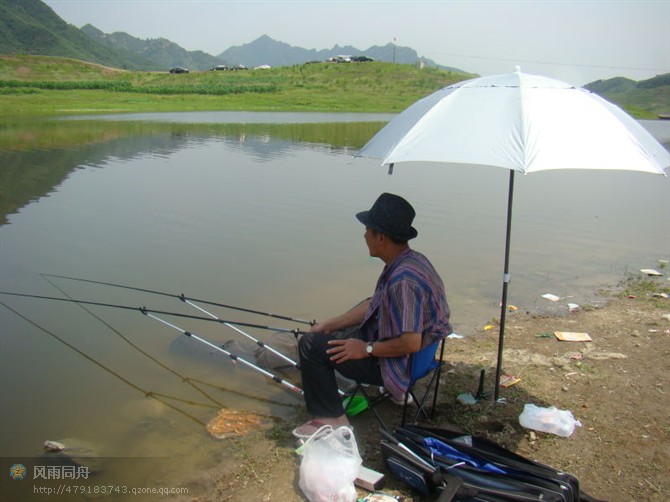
x=409, y=298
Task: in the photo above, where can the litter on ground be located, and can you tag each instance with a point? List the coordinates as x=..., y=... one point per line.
x=551, y=297
x=507, y=380
x=466, y=398
x=650, y=271
x=571, y=336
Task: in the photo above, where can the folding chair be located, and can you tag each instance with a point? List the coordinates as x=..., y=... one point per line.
x=421, y=365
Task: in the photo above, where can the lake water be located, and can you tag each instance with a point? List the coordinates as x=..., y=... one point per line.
x=253, y=210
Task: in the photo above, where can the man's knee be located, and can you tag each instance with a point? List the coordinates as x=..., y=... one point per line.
x=313, y=345
x=304, y=341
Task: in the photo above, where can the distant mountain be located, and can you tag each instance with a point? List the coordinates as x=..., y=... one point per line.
x=651, y=95
x=31, y=27
x=621, y=84
x=160, y=52
x=265, y=50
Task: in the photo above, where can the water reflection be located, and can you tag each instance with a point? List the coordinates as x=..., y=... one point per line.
x=37, y=156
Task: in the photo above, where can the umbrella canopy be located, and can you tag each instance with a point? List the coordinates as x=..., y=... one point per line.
x=518, y=121
x=523, y=123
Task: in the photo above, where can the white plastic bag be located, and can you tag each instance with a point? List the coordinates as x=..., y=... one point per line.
x=553, y=420
x=329, y=465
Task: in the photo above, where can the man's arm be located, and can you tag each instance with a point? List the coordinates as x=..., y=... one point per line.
x=350, y=318
x=407, y=343
x=353, y=348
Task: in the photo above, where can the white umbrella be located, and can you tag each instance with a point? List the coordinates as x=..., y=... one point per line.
x=523, y=123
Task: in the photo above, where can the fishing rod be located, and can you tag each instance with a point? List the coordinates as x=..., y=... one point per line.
x=182, y=297
x=234, y=357
x=191, y=302
x=146, y=310
x=260, y=344
x=154, y=315
x=186, y=379
x=255, y=340
x=163, y=398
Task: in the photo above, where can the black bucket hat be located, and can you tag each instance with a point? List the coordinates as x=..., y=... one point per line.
x=391, y=215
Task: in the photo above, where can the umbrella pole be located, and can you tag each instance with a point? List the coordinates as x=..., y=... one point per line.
x=506, y=279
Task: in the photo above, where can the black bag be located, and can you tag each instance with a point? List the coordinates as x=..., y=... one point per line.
x=488, y=472
x=417, y=473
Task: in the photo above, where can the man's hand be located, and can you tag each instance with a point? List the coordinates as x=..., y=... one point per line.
x=347, y=350
x=321, y=327
x=352, y=317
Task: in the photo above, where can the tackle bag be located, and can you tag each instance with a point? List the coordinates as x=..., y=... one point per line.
x=487, y=471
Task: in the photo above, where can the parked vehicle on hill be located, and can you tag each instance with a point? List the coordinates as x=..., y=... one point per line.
x=340, y=59
x=178, y=69
x=361, y=59
x=220, y=67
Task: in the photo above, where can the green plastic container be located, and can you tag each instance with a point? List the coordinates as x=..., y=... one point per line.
x=355, y=406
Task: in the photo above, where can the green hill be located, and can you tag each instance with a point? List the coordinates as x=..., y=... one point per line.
x=31, y=27
x=644, y=98
x=160, y=53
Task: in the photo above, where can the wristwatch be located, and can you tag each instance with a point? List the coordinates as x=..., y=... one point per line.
x=368, y=349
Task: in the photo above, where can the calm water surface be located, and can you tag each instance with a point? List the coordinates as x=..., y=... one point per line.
x=255, y=210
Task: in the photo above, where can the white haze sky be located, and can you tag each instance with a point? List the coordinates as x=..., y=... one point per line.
x=574, y=41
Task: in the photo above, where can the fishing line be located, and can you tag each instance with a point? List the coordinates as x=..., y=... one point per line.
x=146, y=393
x=186, y=379
x=182, y=297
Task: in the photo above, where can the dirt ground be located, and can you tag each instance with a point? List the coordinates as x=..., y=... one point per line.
x=616, y=386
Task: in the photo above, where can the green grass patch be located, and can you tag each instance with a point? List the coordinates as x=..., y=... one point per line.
x=37, y=85
x=642, y=286
x=123, y=86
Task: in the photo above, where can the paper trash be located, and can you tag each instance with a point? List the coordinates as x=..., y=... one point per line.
x=551, y=297
x=507, y=380
x=570, y=336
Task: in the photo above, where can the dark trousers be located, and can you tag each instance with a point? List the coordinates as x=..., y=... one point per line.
x=318, y=372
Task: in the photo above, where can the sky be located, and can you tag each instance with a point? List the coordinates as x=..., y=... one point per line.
x=577, y=41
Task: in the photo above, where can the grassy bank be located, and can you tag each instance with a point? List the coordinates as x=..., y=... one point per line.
x=36, y=85
x=48, y=86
